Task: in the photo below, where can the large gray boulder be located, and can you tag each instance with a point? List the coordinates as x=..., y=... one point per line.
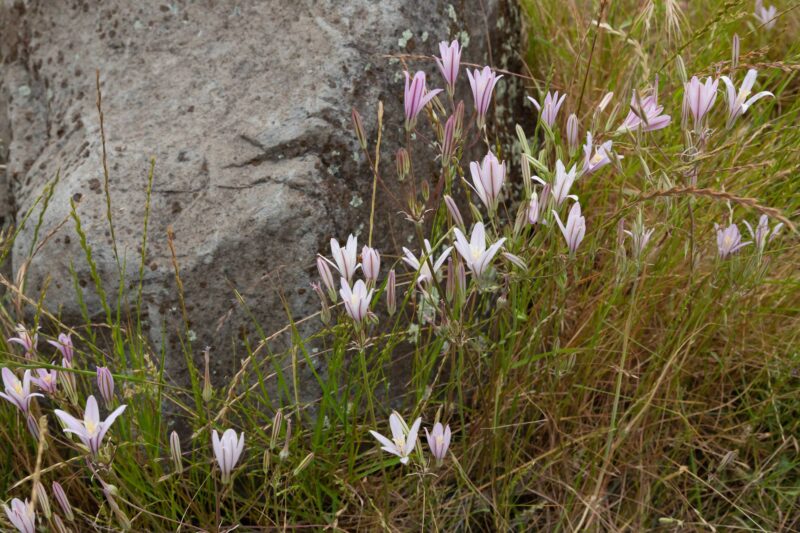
x=245, y=106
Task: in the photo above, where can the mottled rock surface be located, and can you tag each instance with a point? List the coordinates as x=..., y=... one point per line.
x=245, y=106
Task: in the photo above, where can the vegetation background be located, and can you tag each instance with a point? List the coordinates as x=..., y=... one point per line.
x=587, y=393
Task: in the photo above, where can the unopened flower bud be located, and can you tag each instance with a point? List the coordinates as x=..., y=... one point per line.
x=391, y=299
x=285, y=451
x=358, y=126
x=63, y=502
x=450, y=280
x=58, y=525
x=403, y=163
x=175, y=451
x=122, y=519
x=681, y=69
x=67, y=380
x=735, y=52
x=42, y=500
x=370, y=264
x=461, y=279
x=605, y=101
x=458, y=128
x=448, y=141
x=452, y=209
x=425, y=190
x=572, y=133
x=325, y=312
x=327, y=277
x=208, y=389
x=515, y=260
x=266, y=461
x=277, y=424
x=105, y=382
x=533, y=209
x=303, y=464
x=33, y=426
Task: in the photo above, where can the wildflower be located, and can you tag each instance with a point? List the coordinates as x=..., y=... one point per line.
x=391, y=298
x=18, y=392
x=487, y=179
x=534, y=209
x=575, y=228
x=64, y=345
x=549, y=108
x=762, y=235
x=601, y=157
x=563, y=183
x=105, y=382
x=572, y=133
x=403, y=439
x=370, y=263
x=91, y=429
x=449, y=63
x=26, y=340
x=421, y=265
x=21, y=515
x=699, y=97
x=438, y=440
x=47, y=380
x=346, y=258
x=474, y=251
x=645, y=115
x=640, y=236
x=356, y=300
x=482, y=83
x=416, y=97
x=63, y=502
x=738, y=103
x=227, y=450
x=766, y=16
x=729, y=240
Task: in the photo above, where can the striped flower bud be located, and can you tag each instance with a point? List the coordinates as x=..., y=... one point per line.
x=452, y=208
x=175, y=451
x=370, y=264
x=277, y=425
x=327, y=277
x=391, y=299
x=403, y=163
x=42, y=500
x=572, y=133
x=63, y=502
x=358, y=126
x=325, y=311
x=448, y=141
x=105, y=383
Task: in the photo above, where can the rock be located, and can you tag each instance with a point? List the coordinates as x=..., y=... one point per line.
x=245, y=107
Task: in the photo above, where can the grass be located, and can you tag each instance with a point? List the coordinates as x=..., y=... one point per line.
x=596, y=392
